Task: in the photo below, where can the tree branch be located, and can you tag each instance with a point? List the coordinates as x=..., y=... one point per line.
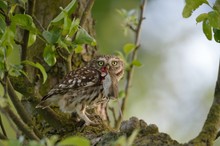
x=17, y=104
x=27, y=89
x=133, y=57
x=2, y=127
x=212, y=124
x=3, y=137
x=25, y=116
x=24, y=45
x=38, y=24
x=20, y=124
x=86, y=12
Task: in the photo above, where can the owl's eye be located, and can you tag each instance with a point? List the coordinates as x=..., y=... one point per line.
x=100, y=63
x=114, y=63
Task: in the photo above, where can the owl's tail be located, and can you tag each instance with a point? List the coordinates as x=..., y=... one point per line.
x=47, y=101
x=43, y=104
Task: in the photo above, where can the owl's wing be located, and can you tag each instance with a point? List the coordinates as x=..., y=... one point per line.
x=80, y=78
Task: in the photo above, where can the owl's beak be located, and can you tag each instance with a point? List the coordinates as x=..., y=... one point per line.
x=107, y=66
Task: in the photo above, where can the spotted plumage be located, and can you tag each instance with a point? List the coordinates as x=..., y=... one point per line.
x=84, y=87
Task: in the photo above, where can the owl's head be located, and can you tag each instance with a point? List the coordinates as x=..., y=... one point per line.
x=112, y=63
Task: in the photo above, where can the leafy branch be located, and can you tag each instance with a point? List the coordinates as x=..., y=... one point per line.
x=133, y=58
x=211, y=24
x=210, y=21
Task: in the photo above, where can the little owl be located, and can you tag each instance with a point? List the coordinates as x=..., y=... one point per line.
x=87, y=86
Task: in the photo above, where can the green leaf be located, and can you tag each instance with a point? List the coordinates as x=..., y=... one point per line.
x=25, y=74
x=51, y=37
x=2, y=24
x=214, y=19
x=217, y=6
x=216, y=35
x=52, y=140
x=12, y=9
x=132, y=12
x=78, y=49
x=207, y=29
x=38, y=66
x=66, y=24
x=2, y=64
x=82, y=37
x=122, y=12
x=136, y=63
x=201, y=17
x=74, y=140
x=31, y=39
x=41, y=68
x=192, y=5
x=3, y=4
x=24, y=21
x=74, y=27
x=69, y=9
x=4, y=103
x=63, y=45
x=121, y=55
x=121, y=94
x=49, y=55
x=7, y=40
x=14, y=69
x=128, y=48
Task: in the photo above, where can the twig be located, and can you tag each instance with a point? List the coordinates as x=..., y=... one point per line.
x=131, y=27
x=60, y=54
x=133, y=57
x=86, y=12
x=17, y=42
x=20, y=124
x=38, y=23
x=24, y=45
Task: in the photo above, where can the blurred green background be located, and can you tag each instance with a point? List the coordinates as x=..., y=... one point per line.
x=174, y=87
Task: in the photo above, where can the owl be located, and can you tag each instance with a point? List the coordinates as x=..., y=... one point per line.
x=86, y=87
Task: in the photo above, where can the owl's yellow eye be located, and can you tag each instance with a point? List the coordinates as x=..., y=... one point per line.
x=114, y=63
x=100, y=63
